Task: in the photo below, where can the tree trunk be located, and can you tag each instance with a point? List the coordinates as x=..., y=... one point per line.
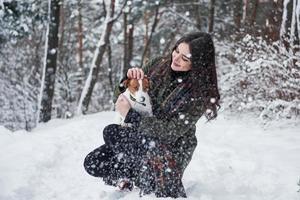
x=245, y=11
x=125, y=45
x=211, y=16
x=80, y=37
x=110, y=75
x=50, y=63
x=98, y=56
x=198, y=16
x=249, y=16
x=254, y=12
x=286, y=23
x=148, y=41
x=130, y=44
x=293, y=34
x=237, y=13
x=272, y=30
x=61, y=27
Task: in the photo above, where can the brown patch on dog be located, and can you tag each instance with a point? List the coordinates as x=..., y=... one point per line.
x=133, y=84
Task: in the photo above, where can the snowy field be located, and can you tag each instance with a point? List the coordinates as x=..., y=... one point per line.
x=234, y=160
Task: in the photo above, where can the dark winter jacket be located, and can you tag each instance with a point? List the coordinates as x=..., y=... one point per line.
x=176, y=110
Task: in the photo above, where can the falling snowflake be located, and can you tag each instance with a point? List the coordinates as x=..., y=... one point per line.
x=212, y=100
x=162, y=41
x=151, y=144
x=250, y=98
x=120, y=156
x=168, y=170
x=208, y=111
x=52, y=51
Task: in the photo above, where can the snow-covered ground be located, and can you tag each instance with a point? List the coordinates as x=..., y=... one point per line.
x=236, y=159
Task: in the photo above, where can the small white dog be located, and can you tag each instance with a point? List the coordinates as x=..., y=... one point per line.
x=137, y=95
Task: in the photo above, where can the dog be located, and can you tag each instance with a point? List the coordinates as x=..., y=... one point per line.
x=137, y=95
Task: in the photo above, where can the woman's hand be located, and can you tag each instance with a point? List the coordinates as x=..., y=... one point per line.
x=122, y=105
x=136, y=73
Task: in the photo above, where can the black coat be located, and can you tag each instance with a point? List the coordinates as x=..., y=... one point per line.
x=176, y=110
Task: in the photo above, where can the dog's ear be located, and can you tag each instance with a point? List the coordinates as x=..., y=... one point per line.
x=123, y=85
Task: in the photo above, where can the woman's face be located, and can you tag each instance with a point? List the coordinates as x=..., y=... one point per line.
x=181, y=58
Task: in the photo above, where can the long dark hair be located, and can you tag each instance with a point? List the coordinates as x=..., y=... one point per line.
x=202, y=78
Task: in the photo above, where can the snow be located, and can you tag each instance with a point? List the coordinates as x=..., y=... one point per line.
x=236, y=158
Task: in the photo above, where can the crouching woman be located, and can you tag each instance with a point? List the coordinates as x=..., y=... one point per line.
x=155, y=151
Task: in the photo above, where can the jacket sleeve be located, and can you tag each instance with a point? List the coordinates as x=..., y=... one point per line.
x=167, y=129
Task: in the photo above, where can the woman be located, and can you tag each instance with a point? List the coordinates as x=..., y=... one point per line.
x=155, y=151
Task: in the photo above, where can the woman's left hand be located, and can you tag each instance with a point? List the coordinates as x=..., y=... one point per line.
x=122, y=105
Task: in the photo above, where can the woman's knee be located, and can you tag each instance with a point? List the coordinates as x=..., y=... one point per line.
x=90, y=164
x=109, y=131
x=96, y=163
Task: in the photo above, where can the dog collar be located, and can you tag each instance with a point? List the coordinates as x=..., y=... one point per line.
x=134, y=100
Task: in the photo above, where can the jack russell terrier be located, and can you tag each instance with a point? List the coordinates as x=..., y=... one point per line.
x=137, y=95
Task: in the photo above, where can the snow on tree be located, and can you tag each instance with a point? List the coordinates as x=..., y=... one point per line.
x=98, y=56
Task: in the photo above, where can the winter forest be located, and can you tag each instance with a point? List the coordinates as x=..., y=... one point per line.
x=62, y=58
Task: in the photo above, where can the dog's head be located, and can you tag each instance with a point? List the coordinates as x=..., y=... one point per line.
x=138, y=89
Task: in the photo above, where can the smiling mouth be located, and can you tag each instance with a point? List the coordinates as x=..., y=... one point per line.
x=176, y=65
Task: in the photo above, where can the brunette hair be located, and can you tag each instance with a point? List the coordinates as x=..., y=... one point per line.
x=203, y=76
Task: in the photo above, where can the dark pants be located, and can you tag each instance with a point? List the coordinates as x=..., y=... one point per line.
x=119, y=157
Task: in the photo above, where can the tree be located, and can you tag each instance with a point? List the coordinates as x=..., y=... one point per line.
x=48, y=79
x=237, y=13
x=80, y=35
x=211, y=16
x=148, y=38
x=289, y=32
x=98, y=56
x=274, y=17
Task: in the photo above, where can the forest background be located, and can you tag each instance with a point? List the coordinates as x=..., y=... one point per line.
x=62, y=58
